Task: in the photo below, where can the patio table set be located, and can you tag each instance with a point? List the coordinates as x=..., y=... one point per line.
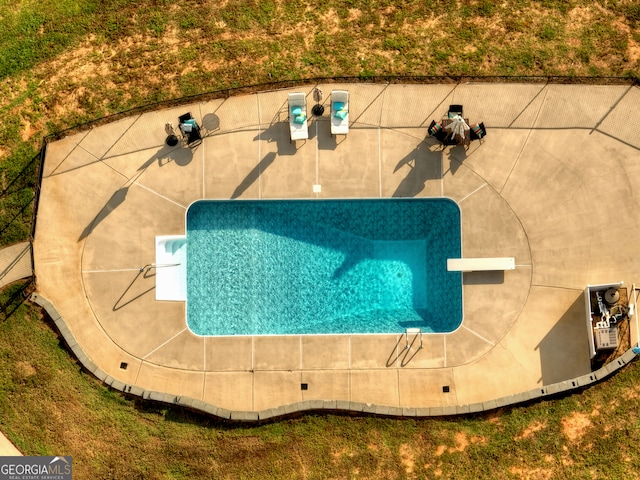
x=189, y=131
x=455, y=129
x=452, y=129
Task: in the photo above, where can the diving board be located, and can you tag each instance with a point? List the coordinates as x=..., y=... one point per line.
x=480, y=264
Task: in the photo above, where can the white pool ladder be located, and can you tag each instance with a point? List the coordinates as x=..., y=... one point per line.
x=416, y=331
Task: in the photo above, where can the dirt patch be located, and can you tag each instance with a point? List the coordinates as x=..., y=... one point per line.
x=633, y=51
x=462, y=442
x=580, y=16
x=408, y=458
x=528, y=432
x=575, y=426
x=330, y=21
x=354, y=15
x=430, y=24
x=339, y=454
x=531, y=473
x=25, y=369
x=631, y=393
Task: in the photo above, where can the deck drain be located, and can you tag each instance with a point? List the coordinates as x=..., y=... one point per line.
x=304, y=386
x=124, y=365
x=445, y=389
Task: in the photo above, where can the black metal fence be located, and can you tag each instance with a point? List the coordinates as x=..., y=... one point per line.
x=264, y=87
x=17, y=197
x=249, y=89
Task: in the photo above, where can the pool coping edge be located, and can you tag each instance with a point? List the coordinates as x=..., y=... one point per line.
x=327, y=406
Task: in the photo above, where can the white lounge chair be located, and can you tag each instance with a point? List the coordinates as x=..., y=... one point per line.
x=298, y=117
x=339, y=112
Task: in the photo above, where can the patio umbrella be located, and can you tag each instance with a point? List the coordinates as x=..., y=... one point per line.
x=457, y=127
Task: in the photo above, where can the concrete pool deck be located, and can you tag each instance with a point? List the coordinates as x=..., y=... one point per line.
x=555, y=184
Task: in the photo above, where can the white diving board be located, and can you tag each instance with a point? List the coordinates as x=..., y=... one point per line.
x=480, y=264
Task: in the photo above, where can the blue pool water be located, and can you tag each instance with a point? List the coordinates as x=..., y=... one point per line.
x=276, y=267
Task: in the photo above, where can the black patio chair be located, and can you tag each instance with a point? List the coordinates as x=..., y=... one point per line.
x=478, y=131
x=190, y=129
x=436, y=131
x=455, y=110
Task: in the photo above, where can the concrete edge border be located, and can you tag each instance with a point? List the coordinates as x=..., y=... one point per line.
x=344, y=406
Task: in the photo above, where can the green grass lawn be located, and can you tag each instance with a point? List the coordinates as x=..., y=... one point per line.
x=63, y=62
x=68, y=61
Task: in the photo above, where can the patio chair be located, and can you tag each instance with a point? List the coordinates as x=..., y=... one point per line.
x=298, y=127
x=339, y=112
x=454, y=110
x=478, y=131
x=435, y=130
x=190, y=129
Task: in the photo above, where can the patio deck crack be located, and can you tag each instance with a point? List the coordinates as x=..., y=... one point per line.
x=159, y=195
x=525, y=143
x=165, y=343
x=478, y=335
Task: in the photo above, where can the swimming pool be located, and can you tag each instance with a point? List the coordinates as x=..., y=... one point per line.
x=279, y=267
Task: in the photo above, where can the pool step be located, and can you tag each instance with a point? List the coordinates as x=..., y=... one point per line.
x=171, y=267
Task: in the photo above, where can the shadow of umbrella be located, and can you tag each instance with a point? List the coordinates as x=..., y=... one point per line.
x=181, y=156
x=114, y=202
x=254, y=174
x=210, y=122
x=167, y=154
x=425, y=165
x=457, y=155
x=279, y=133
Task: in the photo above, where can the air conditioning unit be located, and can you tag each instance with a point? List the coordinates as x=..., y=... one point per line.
x=606, y=338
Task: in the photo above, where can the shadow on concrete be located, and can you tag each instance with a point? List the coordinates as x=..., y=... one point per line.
x=130, y=295
x=457, y=155
x=404, y=350
x=326, y=141
x=181, y=156
x=396, y=352
x=411, y=351
x=483, y=278
x=210, y=123
x=114, y=202
x=279, y=133
x=426, y=164
x=254, y=174
x=565, y=348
